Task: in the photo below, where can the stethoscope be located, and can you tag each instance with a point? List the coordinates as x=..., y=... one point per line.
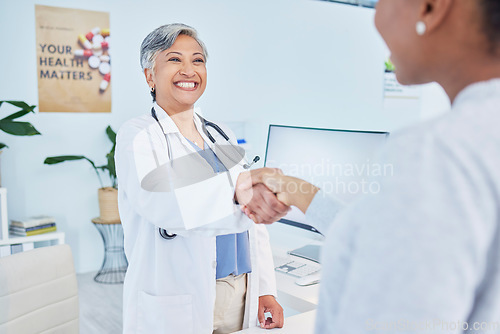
x=164, y=234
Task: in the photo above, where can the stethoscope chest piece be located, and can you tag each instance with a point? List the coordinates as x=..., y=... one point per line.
x=165, y=235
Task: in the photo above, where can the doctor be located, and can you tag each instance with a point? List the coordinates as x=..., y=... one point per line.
x=197, y=264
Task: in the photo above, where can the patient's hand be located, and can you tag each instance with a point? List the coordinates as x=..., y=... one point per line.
x=260, y=203
x=264, y=207
x=289, y=190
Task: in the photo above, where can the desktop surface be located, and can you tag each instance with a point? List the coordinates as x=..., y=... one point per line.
x=298, y=324
x=299, y=302
x=284, y=238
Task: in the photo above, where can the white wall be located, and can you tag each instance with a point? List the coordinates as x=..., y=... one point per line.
x=297, y=62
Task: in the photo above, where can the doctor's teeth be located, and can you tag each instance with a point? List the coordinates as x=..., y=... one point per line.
x=186, y=84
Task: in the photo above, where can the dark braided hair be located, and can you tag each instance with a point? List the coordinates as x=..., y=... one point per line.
x=491, y=25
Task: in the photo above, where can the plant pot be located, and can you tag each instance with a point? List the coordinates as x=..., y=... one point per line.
x=108, y=204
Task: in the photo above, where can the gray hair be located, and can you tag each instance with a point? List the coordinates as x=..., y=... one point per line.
x=162, y=38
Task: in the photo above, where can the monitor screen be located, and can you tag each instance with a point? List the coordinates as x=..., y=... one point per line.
x=340, y=162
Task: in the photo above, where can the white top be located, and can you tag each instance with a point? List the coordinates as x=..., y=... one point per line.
x=423, y=255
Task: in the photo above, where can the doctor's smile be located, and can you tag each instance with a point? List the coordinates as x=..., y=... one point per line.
x=186, y=85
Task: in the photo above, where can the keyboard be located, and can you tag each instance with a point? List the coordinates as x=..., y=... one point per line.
x=295, y=268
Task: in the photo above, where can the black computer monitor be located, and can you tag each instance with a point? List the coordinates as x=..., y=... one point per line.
x=340, y=162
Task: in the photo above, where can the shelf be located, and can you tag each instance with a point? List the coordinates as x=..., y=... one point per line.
x=59, y=236
x=4, y=228
x=7, y=239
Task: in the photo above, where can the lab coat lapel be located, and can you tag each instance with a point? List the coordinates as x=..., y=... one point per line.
x=185, y=160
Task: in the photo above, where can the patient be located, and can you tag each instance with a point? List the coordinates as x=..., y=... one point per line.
x=423, y=254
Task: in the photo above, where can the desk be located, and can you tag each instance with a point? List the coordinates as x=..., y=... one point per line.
x=302, y=323
x=299, y=302
x=114, y=265
x=284, y=238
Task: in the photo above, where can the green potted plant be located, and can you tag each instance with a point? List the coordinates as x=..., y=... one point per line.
x=108, y=196
x=389, y=66
x=11, y=126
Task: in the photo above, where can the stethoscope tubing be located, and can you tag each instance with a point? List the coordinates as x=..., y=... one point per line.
x=163, y=233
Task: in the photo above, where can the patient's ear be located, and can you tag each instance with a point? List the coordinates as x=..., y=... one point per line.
x=434, y=13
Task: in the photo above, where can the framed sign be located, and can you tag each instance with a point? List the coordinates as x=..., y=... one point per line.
x=73, y=60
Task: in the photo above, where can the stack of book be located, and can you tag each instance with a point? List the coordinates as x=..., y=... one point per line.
x=32, y=226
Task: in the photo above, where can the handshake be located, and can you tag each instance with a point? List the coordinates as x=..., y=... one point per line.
x=266, y=194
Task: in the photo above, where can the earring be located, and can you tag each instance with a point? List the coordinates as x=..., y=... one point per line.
x=421, y=28
x=152, y=89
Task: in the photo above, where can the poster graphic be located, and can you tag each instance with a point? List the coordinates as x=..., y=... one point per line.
x=73, y=60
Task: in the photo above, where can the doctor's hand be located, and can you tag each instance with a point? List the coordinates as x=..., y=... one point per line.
x=289, y=190
x=258, y=202
x=264, y=207
x=269, y=304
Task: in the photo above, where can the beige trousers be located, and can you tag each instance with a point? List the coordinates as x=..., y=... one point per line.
x=230, y=304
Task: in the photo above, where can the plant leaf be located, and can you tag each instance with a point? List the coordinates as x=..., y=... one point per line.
x=18, y=128
x=389, y=66
x=111, y=134
x=2, y=146
x=63, y=158
x=111, y=164
x=16, y=115
x=111, y=155
x=20, y=104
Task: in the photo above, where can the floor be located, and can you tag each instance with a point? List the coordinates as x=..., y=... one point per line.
x=100, y=306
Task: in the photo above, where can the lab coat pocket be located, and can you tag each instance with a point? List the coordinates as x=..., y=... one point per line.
x=165, y=314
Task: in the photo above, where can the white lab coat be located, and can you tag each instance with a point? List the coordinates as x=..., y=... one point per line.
x=170, y=284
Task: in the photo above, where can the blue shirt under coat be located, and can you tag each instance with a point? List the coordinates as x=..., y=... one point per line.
x=233, y=250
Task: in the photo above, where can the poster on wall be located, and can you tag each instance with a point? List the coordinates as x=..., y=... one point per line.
x=398, y=99
x=73, y=60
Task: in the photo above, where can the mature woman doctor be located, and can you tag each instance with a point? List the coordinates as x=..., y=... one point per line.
x=183, y=228
x=423, y=255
